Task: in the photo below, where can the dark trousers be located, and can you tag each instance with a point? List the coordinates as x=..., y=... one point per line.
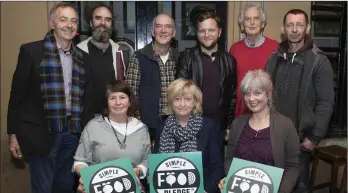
x=305, y=160
x=222, y=137
x=53, y=173
x=153, y=132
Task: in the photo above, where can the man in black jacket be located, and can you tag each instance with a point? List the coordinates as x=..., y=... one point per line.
x=213, y=70
x=303, y=86
x=43, y=120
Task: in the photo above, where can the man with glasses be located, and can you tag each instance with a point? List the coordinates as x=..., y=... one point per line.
x=303, y=86
x=213, y=70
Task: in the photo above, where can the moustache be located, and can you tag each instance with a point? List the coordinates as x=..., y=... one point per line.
x=101, y=26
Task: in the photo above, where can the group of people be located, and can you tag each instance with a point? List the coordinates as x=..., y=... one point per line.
x=72, y=106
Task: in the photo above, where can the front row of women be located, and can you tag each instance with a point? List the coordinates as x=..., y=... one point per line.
x=263, y=136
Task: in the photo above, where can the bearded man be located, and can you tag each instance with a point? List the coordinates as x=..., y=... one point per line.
x=213, y=70
x=103, y=59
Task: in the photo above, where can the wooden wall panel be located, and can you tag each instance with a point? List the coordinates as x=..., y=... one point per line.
x=275, y=18
x=21, y=22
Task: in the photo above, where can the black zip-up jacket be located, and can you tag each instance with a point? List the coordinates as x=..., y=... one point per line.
x=189, y=66
x=316, y=95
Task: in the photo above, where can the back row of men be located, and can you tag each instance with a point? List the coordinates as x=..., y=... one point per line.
x=58, y=87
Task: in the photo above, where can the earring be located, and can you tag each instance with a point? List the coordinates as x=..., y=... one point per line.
x=269, y=102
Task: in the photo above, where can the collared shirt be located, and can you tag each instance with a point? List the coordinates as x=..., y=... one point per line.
x=67, y=62
x=167, y=76
x=258, y=43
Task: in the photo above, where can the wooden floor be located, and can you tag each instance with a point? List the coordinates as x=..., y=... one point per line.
x=14, y=174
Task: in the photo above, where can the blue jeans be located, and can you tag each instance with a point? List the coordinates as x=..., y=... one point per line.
x=52, y=173
x=305, y=160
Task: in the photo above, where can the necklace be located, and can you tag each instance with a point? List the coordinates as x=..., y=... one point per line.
x=123, y=144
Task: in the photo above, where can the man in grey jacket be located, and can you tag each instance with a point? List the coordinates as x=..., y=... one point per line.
x=303, y=86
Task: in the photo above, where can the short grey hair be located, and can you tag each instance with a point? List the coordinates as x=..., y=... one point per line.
x=53, y=11
x=257, y=80
x=154, y=22
x=241, y=15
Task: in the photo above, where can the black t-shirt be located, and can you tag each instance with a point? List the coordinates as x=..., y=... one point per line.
x=210, y=87
x=100, y=72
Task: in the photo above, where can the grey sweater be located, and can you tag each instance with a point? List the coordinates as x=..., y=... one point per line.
x=316, y=96
x=98, y=143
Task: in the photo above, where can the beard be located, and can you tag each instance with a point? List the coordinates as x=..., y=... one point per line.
x=210, y=46
x=101, y=36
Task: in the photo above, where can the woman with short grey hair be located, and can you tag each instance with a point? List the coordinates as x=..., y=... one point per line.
x=264, y=135
x=252, y=52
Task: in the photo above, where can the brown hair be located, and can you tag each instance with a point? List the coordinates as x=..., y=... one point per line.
x=99, y=5
x=208, y=15
x=122, y=86
x=296, y=12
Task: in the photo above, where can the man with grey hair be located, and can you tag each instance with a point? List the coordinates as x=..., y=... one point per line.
x=43, y=120
x=103, y=59
x=151, y=70
x=252, y=52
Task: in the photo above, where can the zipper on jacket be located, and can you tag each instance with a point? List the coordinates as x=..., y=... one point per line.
x=304, y=99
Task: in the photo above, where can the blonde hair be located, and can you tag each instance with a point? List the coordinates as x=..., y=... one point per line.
x=181, y=87
x=257, y=80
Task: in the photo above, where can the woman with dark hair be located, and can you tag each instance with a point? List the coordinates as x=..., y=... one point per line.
x=115, y=135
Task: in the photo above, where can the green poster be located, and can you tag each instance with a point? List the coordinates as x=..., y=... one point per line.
x=110, y=177
x=176, y=173
x=251, y=177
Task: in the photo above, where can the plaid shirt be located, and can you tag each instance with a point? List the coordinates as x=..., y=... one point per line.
x=167, y=73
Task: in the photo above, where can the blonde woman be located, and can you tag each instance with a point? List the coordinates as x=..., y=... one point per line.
x=186, y=130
